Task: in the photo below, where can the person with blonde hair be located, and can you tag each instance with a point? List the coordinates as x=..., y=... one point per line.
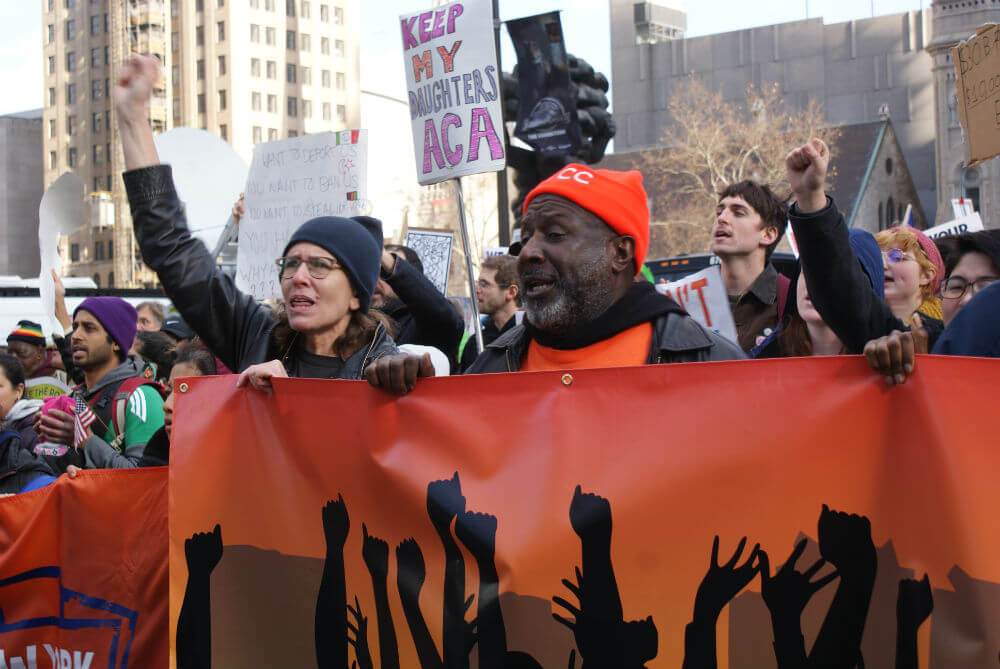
x=913, y=271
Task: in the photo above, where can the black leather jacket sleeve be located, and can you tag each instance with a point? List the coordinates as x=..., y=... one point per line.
x=231, y=323
x=438, y=323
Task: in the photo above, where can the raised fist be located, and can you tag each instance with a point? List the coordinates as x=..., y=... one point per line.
x=845, y=541
x=410, y=569
x=134, y=86
x=375, y=553
x=203, y=551
x=336, y=523
x=590, y=516
x=444, y=501
x=477, y=532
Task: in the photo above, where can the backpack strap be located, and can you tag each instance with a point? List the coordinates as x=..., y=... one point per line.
x=120, y=404
x=784, y=283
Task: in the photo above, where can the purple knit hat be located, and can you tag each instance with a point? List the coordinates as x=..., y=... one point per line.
x=116, y=315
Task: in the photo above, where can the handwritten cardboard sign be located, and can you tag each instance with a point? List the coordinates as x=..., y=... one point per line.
x=454, y=90
x=434, y=249
x=704, y=296
x=290, y=182
x=977, y=85
x=961, y=225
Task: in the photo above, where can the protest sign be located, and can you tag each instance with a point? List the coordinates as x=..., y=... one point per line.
x=390, y=512
x=962, y=206
x=454, y=90
x=704, y=297
x=977, y=85
x=83, y=573
x=208, y=175
x=546, y=112
x=969, y=223
x=290, y=182
x=59, y=213
x=434, y=249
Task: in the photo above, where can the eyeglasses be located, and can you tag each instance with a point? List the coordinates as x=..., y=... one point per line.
x=956, y=287
x=319, y=268
x=893, y=256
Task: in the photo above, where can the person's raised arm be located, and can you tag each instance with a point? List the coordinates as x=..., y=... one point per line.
x=133, y=87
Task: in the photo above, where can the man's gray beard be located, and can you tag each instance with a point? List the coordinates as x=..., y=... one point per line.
x=576, y=305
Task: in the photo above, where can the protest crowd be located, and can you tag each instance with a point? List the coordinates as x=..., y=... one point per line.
x=573, y=297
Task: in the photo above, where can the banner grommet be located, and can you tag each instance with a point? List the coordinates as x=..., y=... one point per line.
x=567, y=379
x=183, y=388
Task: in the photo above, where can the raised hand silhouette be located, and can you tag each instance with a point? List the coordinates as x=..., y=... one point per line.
x=786, y=595
x=376, y=556
x=360, y=641
x=477, y=532
x=375, y=553
x=721, y=584
x=331, y=600
x=590, y=516
x=914, y=604
x=410, y=575
x=444, y=502
x=845, y=541
x=202, y=552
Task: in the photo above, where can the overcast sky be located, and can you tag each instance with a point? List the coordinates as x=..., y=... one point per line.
x=585, y=24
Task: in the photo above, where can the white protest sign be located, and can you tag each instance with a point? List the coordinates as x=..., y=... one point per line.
x=208, y=175
x=970, y=223
x=454, y=90
x=434, y=249
x=704, y=297
x=961, y=206
x=60, y=213
x=290, y=182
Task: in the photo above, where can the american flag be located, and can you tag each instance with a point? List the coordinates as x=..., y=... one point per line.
x=82, y=419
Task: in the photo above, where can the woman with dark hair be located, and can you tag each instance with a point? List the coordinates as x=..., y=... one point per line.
x=157, y=349
x=327, y=274
x=20, y=468
x=973, y=262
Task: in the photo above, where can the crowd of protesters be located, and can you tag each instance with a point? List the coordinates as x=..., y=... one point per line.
x=574, y=297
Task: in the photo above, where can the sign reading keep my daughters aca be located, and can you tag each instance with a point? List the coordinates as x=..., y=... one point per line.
x=454, y=91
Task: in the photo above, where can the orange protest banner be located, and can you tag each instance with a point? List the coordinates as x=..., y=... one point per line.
x=83, y=573
x=597, y=516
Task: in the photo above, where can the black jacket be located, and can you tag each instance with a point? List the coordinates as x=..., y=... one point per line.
x=838, y=286
x=423, y=315
x=18, y=466
x=676, y=338
x=490, y=335
x=237, y=328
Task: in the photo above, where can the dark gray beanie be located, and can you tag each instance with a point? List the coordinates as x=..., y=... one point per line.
x=355, y=242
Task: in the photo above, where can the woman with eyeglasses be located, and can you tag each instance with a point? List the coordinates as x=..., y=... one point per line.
x=322, y=328
x=913, y=271
x=972, y=262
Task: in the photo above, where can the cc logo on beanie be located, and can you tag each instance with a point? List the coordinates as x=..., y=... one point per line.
x=576, y=174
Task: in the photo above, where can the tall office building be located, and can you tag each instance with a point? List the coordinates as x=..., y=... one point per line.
x=246, y=70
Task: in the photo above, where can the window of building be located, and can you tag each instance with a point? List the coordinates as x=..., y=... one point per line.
x=107, y=55
x=175, y=74
x=95, y=57
x=324, y=13
x=325, y=78
x=324, y=45
x=71, y=157
x=96, y=122
x=269, y=36
x=95, y=24
x=70, y=124
x=111, y=275
x=70, y=94
x=70, y=61
x=338, y=48
x=289, y=7
x=341, y=81
x=305, y=42
x=305, y=74
x=52, y=96
x=222, y=100
x=51, y=34
x=69, y=4
x=201, y=103
x=105, y=22
x=96, y=91
x=220, y=28
x=224, y=132
x=293, y=133
x=108, y=188
x=52, y=127
x=221, y=3
x=272, y=70
x=307, y=109
x=272, y=104
x=98, y=151
x=177, y=110
x=199, y=5
x=97, y=183
x=293, y=106
x=305, y=9
x=175, y=42
x=254, y=4
x=52, y=64
x=97, y=280
x=327, y=116
x=52, y=5
x=338, y=16
x=269, y=5
x=199, y=68
x=70, y=29
x=290, y=73
x=255, y=67
x=272, y=134
x=254, y=33
x=290, y=40
x=258, y=135
x=74, y=252
x=341, y=113
x=255, y=101
x=98, y=250
x=199, y=35
x=222, y=65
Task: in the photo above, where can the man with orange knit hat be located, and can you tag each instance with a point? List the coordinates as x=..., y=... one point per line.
x=585, y=234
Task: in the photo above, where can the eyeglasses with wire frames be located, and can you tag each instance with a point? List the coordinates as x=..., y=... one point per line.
x=954, y=288
x=893, y=256
x=318, y=267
